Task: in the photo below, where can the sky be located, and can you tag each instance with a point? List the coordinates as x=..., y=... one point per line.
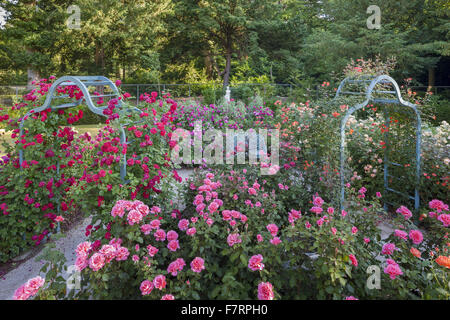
x=2, y=17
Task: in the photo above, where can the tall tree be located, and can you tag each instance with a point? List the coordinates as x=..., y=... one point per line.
x=31, y=31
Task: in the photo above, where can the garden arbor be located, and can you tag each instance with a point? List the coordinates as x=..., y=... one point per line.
x=402, y=135
x=104, y=88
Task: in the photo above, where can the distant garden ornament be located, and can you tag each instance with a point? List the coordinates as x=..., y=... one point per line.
x=228, y=94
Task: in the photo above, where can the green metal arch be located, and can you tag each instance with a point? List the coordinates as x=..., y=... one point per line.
x=385, y=79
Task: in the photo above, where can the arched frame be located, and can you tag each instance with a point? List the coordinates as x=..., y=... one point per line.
x=82, y=82
x=369, y=98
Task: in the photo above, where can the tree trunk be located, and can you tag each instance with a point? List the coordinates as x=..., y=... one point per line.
x=226, y=77
x=99, y=58
x=208, y=65
x=33, y=75
x=431, y=78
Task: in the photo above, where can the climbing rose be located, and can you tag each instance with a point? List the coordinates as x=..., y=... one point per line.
x=173, y=245
x=191, y=231
x=265, y=291
x=275, y=241
x=438, y=205
x=122, y=254
x=176, y=266
x=160, y=235
x=198, y=264
x=401, y=234
x=233, y=238
x=108, y=251
x=445, y=219
x=134, y=216
x=318, y=201
x=168, y=297
x=351, y=298
x=83, y=249
x=353, y=260
x=152, y=250
x=172, y=235
x=405, y=212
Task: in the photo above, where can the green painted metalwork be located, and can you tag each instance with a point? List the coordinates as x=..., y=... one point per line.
x=394, y=98
x=83, y=83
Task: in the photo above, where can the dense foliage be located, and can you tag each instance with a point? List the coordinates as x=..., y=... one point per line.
x=167, y=41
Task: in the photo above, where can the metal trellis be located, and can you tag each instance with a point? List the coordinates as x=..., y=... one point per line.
x=370, y=82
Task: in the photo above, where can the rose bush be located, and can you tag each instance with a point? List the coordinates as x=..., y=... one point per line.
x=62, y=170
x=233, y=248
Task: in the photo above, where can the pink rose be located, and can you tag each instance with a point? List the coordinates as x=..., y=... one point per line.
x=401, y=234
x=159, y=282
x=172, y=235
x=146, y=287
x=405, y=212
x=273, y=229
x=265, y=291
x=353, y=260
x=97, y=261
x=275, y=241
x=416, y=236
x=392, y=269
x=183, y=224
x=122, y=254
x=233, y=238
x=83, y=249
x=445, y=219
x=388, y=248
x=152, y=250
x=197, y=265
x=173, y=245
x=255, y=263
x=160, y=235
x=191, y=231
x=133, y=217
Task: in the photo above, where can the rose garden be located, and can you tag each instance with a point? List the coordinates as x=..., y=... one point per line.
x=308, y=228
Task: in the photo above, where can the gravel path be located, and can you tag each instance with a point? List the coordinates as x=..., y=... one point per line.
x=30, y=268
